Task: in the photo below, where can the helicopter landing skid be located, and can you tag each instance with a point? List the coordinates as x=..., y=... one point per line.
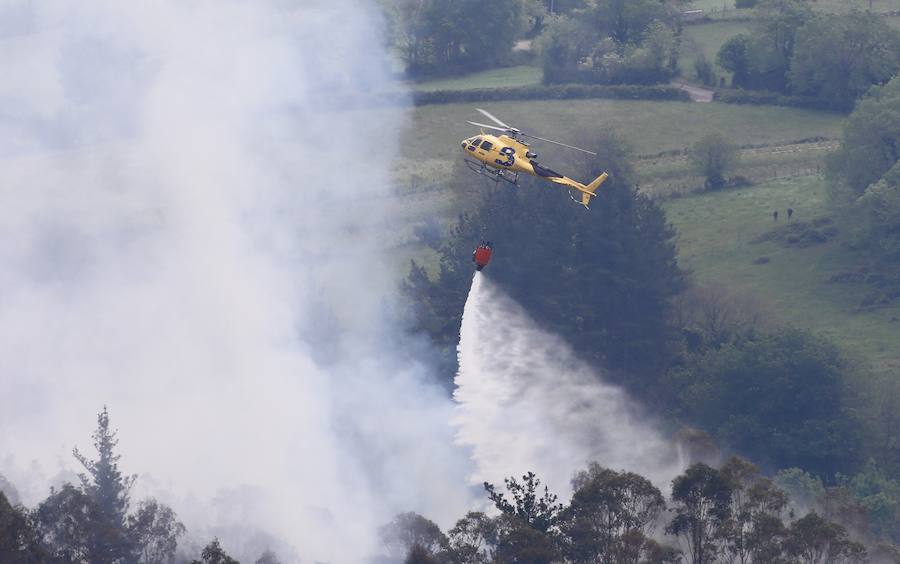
x=493, y=174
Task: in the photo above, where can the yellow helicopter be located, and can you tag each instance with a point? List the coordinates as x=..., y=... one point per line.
x=503, y=157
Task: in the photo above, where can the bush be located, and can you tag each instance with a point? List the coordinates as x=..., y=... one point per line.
x=556, y=92
x=777, y=398
x=704, y=70
x=625, y=75
x=762, y=97
x=713, y=156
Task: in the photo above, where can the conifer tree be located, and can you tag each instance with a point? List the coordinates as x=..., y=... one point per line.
x=108, y=489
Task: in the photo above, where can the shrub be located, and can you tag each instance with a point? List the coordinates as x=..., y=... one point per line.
x=556, y=92
x=762, y=97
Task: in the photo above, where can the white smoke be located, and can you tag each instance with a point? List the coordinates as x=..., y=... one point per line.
x=527, y=403
x=193, y=201
x=190, y=198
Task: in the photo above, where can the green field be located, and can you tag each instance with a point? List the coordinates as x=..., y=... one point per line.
x=523, y=75
x=651, y=126
x=714, y=7
x=715, y=241
x=431, y=159
x=706, y=39
x=839, y=6
x=430, y=146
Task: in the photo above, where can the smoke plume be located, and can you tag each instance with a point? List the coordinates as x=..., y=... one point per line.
x=527, y=403
x=191, y=198
x=195, y=206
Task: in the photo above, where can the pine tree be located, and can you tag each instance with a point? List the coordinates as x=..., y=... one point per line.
x=109, y=489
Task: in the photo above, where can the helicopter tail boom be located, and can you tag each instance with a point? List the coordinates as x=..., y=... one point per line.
x=591, y=189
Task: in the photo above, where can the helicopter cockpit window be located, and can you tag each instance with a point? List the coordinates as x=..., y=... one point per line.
x=475, y=143
x=486, y=145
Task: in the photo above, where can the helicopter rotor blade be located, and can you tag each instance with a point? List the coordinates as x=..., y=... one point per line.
x=484, y=125
x=561, y=144
x=493, y=118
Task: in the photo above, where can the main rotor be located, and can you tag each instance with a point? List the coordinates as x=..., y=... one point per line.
x=516, y=133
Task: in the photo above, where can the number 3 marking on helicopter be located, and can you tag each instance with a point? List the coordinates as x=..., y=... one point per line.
x=510, y=154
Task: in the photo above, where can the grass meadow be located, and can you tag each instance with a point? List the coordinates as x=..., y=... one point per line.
x=716, y=234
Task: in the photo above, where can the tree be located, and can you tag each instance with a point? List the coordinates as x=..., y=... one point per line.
x=626, y=20
x=564, y=42
x=775, y=33
x=536, y=510
x=704, y=70
x=19, y=541
x=662, y=46
x=713, y=157
x=155, y=529
x=865, y=179
x=408, y=530
x=879, y=494
x=839, y=59
x=776, y=397
x=812, y=540
x=519, y=543
x=712, y=315
x=611, y=42
x=105, y=485
x=762, y=58
x=701, y=497
x=67, y=524
x=418, y=554
x=753, y=530
x=91, y=523
x=734, y=56
x=435, y=37
x=213, y=553
x=473, y=540
x=611, y=514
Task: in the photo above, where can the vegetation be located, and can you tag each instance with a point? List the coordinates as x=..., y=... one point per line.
x=792, y=50
x=652, y=128
x=713, y=157
x=94, y=522
x=436, y=38
x=611, y=42
x=722, y=240
x=838, y=59
x=556, y=92
x=865, y=181
x=506, y=77
x=774, y=397
x=705, y=41
x=727, y=514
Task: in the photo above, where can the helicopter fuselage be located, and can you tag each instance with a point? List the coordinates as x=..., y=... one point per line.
x=504, y=154
x=500, y=152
